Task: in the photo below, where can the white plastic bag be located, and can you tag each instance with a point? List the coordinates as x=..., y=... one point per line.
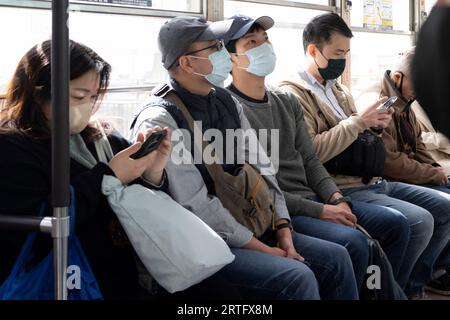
x=176, y=247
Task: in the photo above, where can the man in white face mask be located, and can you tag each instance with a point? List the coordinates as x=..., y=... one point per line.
x=196, y=60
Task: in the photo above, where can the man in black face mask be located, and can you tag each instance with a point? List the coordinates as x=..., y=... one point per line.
x=334, y=125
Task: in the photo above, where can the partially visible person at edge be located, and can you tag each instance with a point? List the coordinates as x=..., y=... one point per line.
x=431, y=66
x=408, y=159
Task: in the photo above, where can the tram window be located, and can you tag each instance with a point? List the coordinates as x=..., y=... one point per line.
x=428, y=6
x=178, y=5
x=34, y=27
x=128, y=42
x=371, y=55
x=119, y=108
x=321, y=2
x=400, y=14
x=277, y=12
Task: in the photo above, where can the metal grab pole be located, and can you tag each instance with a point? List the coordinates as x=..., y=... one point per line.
x=60, y=70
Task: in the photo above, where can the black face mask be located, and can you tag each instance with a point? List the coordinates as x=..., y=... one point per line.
x=334, y=69
x=400, y=89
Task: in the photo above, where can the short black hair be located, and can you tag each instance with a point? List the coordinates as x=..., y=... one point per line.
x=231, y=45
x=319, y=30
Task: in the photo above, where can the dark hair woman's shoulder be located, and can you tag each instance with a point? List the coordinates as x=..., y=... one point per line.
x=16, y=139
x=18, y=149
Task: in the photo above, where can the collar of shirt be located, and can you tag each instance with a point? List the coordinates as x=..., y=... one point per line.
x=312, y=81
x=235, y=90
x=194, y=101
x=325, y=93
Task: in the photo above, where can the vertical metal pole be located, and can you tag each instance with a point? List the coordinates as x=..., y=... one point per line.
x=60, y=142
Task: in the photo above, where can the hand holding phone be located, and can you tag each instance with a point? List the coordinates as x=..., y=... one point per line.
x=152, y=143
x=388, y=103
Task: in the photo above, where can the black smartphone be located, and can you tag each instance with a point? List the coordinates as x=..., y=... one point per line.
x=149, y=145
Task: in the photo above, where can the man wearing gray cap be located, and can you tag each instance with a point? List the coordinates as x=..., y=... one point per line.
x=193, y=53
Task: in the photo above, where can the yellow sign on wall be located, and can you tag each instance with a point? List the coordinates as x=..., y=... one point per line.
x=378, y=14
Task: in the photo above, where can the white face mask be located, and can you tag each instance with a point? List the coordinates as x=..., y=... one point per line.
x=262, y=60
x=221, y=63
x=79, y=116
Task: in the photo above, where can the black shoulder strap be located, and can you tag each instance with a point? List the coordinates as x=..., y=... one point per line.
x=161, y=90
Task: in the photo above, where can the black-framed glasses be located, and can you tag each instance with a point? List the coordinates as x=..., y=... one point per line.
x=218, y=45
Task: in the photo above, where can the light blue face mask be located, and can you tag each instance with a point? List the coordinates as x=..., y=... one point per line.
x=262, y=60
x=221, y=64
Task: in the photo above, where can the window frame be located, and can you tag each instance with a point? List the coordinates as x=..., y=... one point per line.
x=213, y=10
x=81, y=6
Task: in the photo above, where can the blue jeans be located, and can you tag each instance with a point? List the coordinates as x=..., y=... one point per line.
x=425, y=209
x=386, y=225
x=260, y=275
x=443, y=262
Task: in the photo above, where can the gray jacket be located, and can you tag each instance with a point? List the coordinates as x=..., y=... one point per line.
x=188, y=188
x=301, y=175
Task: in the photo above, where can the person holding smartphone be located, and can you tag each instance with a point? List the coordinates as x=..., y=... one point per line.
x=333, y=125
x=407, y=156
x=25, y=169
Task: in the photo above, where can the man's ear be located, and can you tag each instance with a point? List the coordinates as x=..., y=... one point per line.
x=311, y=49
x=185, y=64
x=234, y=58
x=396, y=76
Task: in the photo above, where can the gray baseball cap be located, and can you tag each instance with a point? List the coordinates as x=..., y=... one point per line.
x=242, y=23
x=177, y=34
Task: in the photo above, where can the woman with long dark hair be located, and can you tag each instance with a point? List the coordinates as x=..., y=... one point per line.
x=25, y=165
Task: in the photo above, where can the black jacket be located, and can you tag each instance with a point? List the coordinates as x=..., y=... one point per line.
x=25, y=175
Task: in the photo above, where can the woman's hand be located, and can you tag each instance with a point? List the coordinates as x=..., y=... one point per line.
x=151, y=166
x=156, y=160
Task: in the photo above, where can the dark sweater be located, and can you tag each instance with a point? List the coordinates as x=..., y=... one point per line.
x=25, y=173
x=301, y=175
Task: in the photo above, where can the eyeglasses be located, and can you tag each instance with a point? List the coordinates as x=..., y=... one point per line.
x=218, y=45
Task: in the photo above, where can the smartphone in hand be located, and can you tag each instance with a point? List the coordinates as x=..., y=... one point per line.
x=388, y=103
x=152, y=143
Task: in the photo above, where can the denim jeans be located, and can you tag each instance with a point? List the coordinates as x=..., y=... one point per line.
x=327, y=266
x=428, y=214
x=443, y=262
x=386, y=225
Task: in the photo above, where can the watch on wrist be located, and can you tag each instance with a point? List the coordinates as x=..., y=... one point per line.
x=284, y=225
x=348, y=200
